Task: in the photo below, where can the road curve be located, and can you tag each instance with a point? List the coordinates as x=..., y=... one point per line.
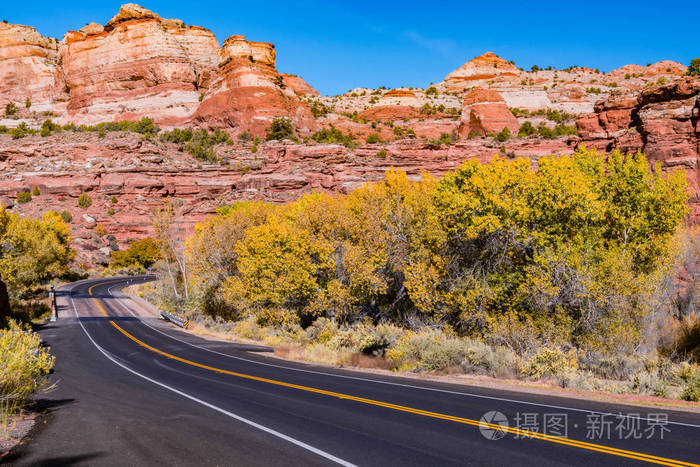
x=134, y=390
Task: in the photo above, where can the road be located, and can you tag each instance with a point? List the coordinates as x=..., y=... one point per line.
x=134, y=390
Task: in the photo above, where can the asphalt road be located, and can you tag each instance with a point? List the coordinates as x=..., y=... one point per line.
x=134, y=390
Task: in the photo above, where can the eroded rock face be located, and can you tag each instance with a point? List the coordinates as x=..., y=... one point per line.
x=248, y=93
x=137, y=65
x=27, y=64
x=484, y=111
x=299, y=86
x=141, y=65
x=477, y=71
x=663, y=122
x=140, y=173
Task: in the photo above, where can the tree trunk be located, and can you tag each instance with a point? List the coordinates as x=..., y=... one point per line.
x=4, y=304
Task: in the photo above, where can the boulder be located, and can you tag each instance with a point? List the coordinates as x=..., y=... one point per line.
x=484, y=111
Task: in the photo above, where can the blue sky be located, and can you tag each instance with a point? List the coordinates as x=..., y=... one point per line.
x=337, y=46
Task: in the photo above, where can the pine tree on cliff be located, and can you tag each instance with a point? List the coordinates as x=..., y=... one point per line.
x=694, y=68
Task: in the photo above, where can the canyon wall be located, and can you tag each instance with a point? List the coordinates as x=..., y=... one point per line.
x=662, y=121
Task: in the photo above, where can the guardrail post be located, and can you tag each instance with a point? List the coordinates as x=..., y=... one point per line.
x=54, y=309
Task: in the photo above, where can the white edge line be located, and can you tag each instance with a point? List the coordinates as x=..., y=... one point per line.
x=296, y=442
x=390, y=383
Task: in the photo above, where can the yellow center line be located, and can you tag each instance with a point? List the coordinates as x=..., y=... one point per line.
x=516, y=431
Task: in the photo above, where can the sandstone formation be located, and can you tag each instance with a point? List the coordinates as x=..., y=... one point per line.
x=298, y=85
x=248, y=93
x=662, y=121
x=662, y=68
x=137, y=65
x=477, y=71
x=141, y=65
x=27, y=64
x=485, y=112
x=399, y=97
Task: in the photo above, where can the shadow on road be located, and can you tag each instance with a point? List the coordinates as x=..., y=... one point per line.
x=54, y=461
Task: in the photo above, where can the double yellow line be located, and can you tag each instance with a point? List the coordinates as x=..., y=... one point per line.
x=467, y=421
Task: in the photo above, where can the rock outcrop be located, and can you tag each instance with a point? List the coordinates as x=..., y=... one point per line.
x=485, y=112
x=27, y=65
x=141, y=65
x=137, y=65
x=299, y=86
x=662, y=121
x=479, y=70
x=248, y=93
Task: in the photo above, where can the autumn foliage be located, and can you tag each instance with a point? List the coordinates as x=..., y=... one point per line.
x=570, y=252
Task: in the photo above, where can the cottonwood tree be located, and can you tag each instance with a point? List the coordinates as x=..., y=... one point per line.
x=169, y=230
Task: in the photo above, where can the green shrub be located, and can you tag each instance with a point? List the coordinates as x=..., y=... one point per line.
x=381, y=153
x=447, y=139
x=21, y=131
x=177, y=135
x=110, y=212
x=24, y=197
x=694, y=67
x=526, y=129
x=35, y=191
x=280, y=129
x=319, y=109
x=27, y=103
x=66, y=216
x=333, y=135
x=373, y=138
x=691, y=392
x=431, y=91
x=503, y=135
x=114, y=200
x=545, y=132
x=84, y=201
x=10, y=109
x=244, y=137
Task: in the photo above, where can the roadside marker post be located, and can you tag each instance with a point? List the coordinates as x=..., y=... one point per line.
x=54, y=309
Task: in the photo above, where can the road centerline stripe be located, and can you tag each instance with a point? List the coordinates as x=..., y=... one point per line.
x=275, y=433
x=467, y=421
